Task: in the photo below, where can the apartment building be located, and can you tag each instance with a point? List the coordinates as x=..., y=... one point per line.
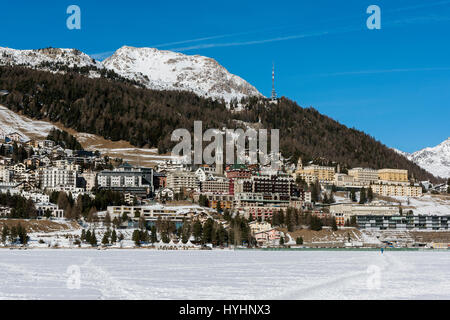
x=53, y=177
x=226, y=201
x=215, y=186
x=138, y=181
x=399, y=190
x=260, y=205
x=344, y=180
x=322, y=173
x=236, y=173
x=6, y=175
x=266, y=184
x=394, y=175
x=344, y=211
x=182, y=180
x=406, y=222
x=364, y=176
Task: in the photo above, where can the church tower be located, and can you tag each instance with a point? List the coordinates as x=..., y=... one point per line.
x=299, y=164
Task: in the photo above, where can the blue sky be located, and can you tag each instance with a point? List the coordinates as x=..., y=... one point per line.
x=392, y=83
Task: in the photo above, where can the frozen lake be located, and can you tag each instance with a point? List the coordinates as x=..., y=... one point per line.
x=146, y=274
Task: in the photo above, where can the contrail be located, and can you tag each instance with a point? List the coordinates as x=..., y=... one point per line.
x=219, y=36
x=262, y=41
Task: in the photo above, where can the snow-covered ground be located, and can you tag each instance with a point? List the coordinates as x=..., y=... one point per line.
x=426, y=205
x=146, y=274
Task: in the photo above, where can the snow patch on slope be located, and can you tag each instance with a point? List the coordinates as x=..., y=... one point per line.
x=29, y=129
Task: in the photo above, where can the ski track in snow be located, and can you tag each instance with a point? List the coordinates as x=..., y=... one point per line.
x=149, y=274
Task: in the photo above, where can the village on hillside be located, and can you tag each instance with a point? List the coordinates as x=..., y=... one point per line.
x=53, y=193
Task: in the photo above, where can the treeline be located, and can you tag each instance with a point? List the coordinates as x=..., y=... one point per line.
x=84, y=206
x=208, y=232
x=64, y=139
x=113, y=110
x=15, y=234
x=118, y=111
x=294, y=219
x=21, y=208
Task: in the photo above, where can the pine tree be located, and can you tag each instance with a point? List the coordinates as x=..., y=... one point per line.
x=105, y=239
x=5, y=233
x=114, y=236
x=88, y=236
x=153, y=235
x=93, y=241
x=198, y=231
x=281, y=241
x=83, y=235
x=107, y=221
x=362, y=196
x=299, y=241
x=22, y=234
x=13, y=235
x=136, y=237
x=207, y=231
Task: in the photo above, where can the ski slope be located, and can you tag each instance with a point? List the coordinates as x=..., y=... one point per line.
x=150, y=274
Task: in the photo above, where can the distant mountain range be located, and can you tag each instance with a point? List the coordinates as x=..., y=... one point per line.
x=433, y=159
x=154, y=69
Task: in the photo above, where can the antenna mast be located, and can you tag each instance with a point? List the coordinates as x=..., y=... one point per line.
x=274, y=93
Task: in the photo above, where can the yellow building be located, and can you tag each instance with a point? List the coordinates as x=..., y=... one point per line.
x=322, y=173
x=401, y=190
x=397, y=175
x=364, y=176
x=314, y=172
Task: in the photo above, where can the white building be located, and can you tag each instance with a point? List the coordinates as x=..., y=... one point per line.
x=43, y=208
x=36, y=197
x=56, y=178
x=182, y=180
x=125, y=177
x=6, y=175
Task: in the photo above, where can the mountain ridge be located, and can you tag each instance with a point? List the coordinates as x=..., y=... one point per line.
x=433, y=159
x=155, y=69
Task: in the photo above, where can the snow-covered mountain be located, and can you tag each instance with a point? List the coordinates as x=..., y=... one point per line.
x=41, y=57
x=433, y=159
x=155, y=69
x=162, y=70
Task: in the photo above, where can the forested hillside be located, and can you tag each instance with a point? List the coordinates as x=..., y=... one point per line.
x=120, y=111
